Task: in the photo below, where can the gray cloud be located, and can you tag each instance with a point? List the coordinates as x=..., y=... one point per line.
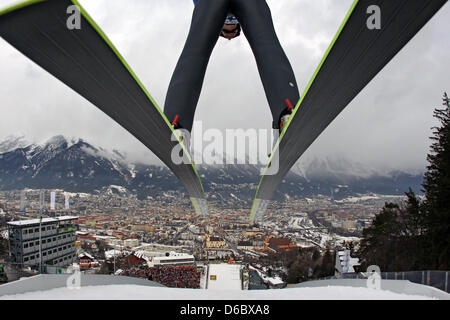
x=388, y=124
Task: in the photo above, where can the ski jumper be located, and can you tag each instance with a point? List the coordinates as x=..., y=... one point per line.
x=207, y=21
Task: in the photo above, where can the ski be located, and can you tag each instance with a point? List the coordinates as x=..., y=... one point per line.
x=372, y=33
x=79, y=54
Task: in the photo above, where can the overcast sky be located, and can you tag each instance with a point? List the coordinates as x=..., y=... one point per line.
x=387, y=125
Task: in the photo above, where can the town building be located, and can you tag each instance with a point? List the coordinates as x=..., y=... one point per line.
x=275, y=243
x=129, y=243
x=245, y=245
x=345, y=263
x=173, y=260
x=43, y=241
x=215, y=242
x=87, y=261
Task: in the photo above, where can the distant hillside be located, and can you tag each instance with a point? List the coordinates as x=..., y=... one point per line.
x=77, y=166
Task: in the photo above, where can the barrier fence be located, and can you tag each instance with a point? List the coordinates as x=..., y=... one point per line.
x=436, y=279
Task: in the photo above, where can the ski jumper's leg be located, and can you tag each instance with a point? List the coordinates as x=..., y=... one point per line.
x=273, y=65
x=187, y=79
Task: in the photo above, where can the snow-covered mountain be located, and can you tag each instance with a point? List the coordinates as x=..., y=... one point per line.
x=341, y=169
x=61, y=162
x=13, y=142
x=337, y=168
x=77, y=166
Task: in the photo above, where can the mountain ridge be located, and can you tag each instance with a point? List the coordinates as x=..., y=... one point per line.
x=76, y=166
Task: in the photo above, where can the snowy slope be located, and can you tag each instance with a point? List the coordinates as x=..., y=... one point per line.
x=227, y=277
x=136, y=292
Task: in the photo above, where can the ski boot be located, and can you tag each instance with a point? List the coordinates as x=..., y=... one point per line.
x=284, y=119
x=182, y=134
x=286, y=114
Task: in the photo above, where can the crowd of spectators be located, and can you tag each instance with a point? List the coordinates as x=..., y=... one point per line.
x=175, y=277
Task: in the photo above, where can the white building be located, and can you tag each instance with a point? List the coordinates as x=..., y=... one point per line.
x=345, y=263
x=173, y=260
x=129, y=243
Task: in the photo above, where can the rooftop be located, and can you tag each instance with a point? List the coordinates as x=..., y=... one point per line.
x=177, y=257
x=106, y=287
x=37, y=221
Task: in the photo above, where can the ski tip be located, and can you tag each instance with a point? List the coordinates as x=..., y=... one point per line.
x=200, y=206
x=259, y=207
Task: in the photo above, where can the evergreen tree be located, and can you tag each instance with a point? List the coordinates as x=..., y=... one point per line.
x=304, y=266
x=437, y=192
x=378, y=241
x=394, y=240
x=414, y=233
x=327, y=266
x=415, y=236
x=4, y=248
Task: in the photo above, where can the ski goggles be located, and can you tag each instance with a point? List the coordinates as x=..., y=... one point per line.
x=236, y=30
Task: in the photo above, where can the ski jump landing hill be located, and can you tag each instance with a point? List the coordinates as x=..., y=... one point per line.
x=224, y=276
x=103, y=287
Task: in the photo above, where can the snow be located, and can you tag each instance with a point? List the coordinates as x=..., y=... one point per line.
x=366, y=198
x=118, y=188
x=55, y=141
x=137, y=292
x=275, y=281
x=357, y=199
x=87, y=255
x=72, y=141
x=111, y=253
x=300, y=223
x=13, y=142
x=227, y=277
x=272, y=280
x=343, y=239
x=81, y=195
x=167, y=195
x=44, y=220
x=132, y=170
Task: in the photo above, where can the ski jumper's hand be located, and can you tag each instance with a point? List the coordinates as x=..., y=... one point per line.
x=230, y=31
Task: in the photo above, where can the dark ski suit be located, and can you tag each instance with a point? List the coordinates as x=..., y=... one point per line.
x=207, y=21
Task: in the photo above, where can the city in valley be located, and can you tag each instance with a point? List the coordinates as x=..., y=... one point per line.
x=119, y=234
